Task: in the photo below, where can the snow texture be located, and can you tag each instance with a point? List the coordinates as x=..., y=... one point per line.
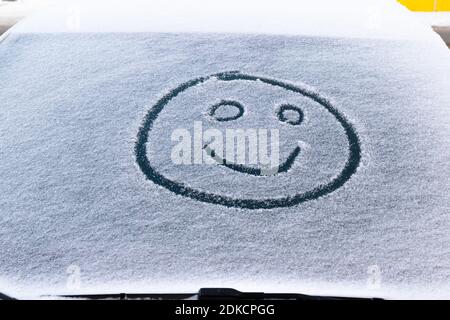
x=384, y=19
x=73, y=191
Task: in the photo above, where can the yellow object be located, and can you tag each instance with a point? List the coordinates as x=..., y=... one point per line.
x=426, y=5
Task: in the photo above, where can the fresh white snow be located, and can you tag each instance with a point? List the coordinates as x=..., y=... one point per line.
x=344, y=18
x=74, y=194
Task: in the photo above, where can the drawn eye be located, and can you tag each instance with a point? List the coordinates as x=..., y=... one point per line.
x=226, y=110
x=290, y=114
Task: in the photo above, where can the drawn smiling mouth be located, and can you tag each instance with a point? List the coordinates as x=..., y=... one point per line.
x=283, y=167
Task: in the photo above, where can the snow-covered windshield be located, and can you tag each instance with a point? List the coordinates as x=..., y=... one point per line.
x=112, y=180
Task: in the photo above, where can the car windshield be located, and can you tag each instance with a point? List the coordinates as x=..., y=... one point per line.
x=159, y=161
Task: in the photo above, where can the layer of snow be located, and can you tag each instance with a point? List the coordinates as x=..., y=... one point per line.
x=14, y=11
x=72, y=194
x=439, y=19
x=345, y=18
x=73, y=198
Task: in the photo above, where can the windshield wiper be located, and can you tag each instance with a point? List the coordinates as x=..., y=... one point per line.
x=213, y=294
x=227, y=293
x=5, y=297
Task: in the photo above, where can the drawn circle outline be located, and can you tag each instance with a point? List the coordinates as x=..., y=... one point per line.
x=179, y=188
x=239, y=106
x=289, y=107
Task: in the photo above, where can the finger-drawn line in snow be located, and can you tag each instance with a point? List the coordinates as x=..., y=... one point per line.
x=289, y=107
x=350, y=167
x=284, y=167
x=213, y=110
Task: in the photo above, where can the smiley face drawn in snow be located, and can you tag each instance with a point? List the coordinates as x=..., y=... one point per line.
x=324, y=164
x=293, y=119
